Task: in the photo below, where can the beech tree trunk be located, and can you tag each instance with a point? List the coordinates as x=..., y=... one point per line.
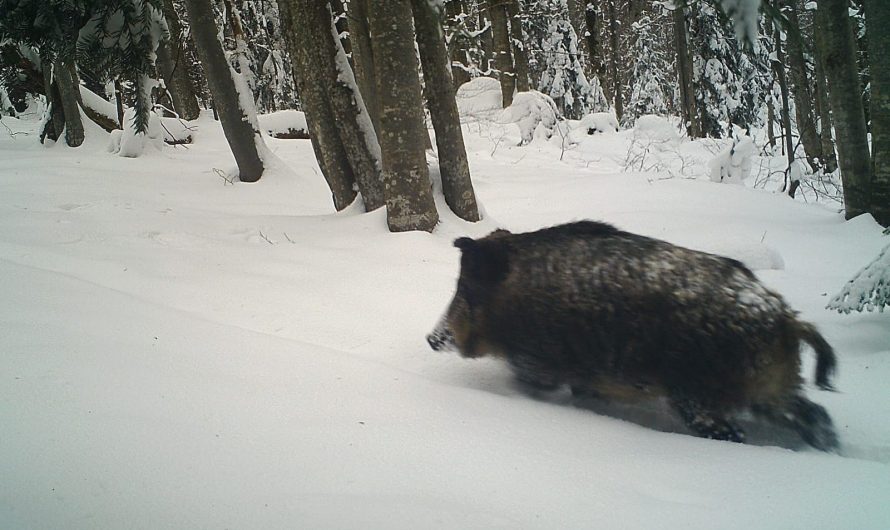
x=342, y=132
x=877, y=20
x=823, y=106
x=456, y=184
x=172, y=66
x=409, y=199
x=839, y=52
x=503, y=59
x=803, y=98
x=363, y=59
x=779, y=69
x=458, y=52
x=238, y=130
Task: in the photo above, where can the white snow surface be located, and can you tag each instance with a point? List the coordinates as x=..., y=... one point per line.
x=181, y=351
x=283, y=121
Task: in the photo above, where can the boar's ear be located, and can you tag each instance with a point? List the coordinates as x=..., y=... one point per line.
x=482, y=261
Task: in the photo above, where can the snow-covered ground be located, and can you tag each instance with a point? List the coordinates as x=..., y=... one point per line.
x=180, y=351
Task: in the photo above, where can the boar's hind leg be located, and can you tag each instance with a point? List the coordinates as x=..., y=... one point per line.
x=809, y=420
x=705, y=422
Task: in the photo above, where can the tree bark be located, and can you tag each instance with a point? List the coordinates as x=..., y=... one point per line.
x=172, y=67
x=363, y=59
x=877, y=21
x=779, y=69
x=453, y=166
x=803, y=98
x=68, y=96
x=616, y=67
x=458, y=52
x=846, y=104
x=409, y=200
x=517, y=41
x=334, y=105
x=823, y=107
x=238, y=130
x=684, y=72
x=502, y=50
x=590, y=37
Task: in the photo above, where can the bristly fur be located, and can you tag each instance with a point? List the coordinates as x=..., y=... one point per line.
x=603, y=310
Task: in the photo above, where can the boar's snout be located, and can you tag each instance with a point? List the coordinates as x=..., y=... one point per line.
x=440, y=340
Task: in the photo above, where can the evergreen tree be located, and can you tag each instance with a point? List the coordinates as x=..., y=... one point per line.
x=650, y=80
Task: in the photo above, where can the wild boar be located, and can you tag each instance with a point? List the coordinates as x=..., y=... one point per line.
x=619, y=316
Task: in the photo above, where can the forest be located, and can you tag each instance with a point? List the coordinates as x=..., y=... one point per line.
x=228, y=229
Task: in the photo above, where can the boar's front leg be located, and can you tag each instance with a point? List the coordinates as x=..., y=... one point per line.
x=809, y=420
x=706, y=422
x=533, y=375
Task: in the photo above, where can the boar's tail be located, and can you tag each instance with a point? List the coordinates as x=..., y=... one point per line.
x=826, y=362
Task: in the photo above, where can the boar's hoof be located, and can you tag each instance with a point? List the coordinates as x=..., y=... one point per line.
x=707, y=423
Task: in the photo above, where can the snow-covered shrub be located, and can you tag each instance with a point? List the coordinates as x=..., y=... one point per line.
x=868, y=290
x=284, y=124
x=599, y=122
x=480, y=97
x=535, y=114
x=659, y=132
x=733, y=165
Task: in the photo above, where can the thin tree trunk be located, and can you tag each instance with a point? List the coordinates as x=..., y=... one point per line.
x=877, y=20
x=237, y=128
x=502, y=50
x=770, y=123
x=846, y=104
x=520, y=56
x=172, y=67
x=458, y=51
x=68, y=94
x=616, y=66
x=590, y=37
x=779, y=69
x=684, y=72
x=456, y=184
x=803, y=98
x=409, y=200
x=823, y=106
x=363, y=59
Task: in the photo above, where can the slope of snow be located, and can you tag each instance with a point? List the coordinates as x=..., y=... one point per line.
x=181, y=351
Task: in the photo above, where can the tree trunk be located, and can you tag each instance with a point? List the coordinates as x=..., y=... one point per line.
x=409, y=200
x=172, y=67
x=331, y=97
x=616, y=67
x=770, y=123
x=456, y=184
x=877, y=20
x=684, y=74
x=590, y=37
x=823, y=107
x=803, y=98
x=68, y=96
x=454, y=10
x=363, y=59
x=520, y=56
x=236, y=126
x=846, y=104
x=502, y=52
x=779, y=69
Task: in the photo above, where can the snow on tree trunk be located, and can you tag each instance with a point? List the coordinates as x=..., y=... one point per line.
x=800, y=85
x=453, y=166
x=685, y=74
x=502, y=50
x=409, y=200
x=519, y=49
x=363, y=58
x=235, y=119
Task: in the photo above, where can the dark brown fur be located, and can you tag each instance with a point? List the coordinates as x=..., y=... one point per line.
x=615, y=314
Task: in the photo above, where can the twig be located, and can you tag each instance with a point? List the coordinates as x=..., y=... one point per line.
x=262, y=235
x=222, y=175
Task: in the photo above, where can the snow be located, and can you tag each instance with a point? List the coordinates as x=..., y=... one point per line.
x=284, y=122
x=869, y=289
x=733, y=164
x=184, y=351
x=599, y=122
